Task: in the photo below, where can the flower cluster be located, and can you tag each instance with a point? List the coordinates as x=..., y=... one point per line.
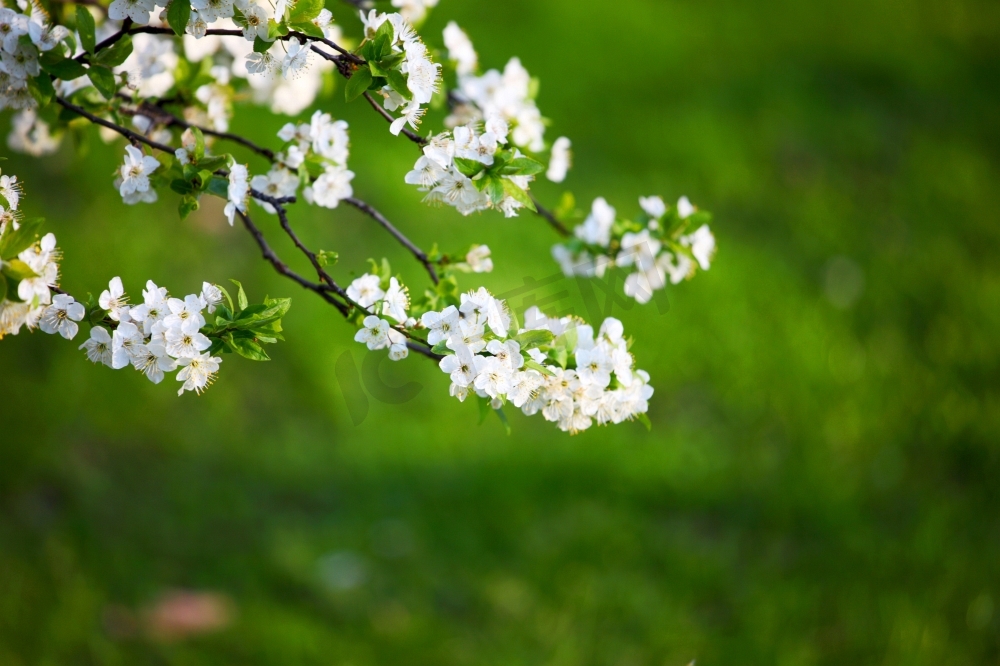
x=319, y=150
x=553, y=366
x=383, y=297
x=29, y=272
x=160, y=335
x=509, y=95
x=23, y=39
x=473, y=169
x=659, y=244
x=173, y=97
x=399, y=68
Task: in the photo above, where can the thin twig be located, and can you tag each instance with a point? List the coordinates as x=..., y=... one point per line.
x=421, y=256
x=282, y=268
x=134, y=137
x=550, y=217
x=165, y=117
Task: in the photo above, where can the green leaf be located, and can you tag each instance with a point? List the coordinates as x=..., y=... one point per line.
x=213, y=163
x=528, y=363
x=14, y=242
x=305, y=11
x=41, y=89
x=17, y=270
x=511, y=189
x=495, y=188
x=469, y=168
x=566, y=208
x=384, y=37
x=307, y=28
x=247, y=348
x=560, y=356
x=358, y=83
x=261, y=46
x=275, y=30
x=392, y=61
x=217, y=346
x=398, y=83
x=3, y=288
x=181, y=186
x=644, y=419
x=532, y=339
x=178, y=15
x=241, y=297
x=325, y=258
x=219, y=187
x=85, y=26
x=66, y=69
x=188, y=205
x=104, y=80
x=115, y=54
x=503, y=420
x=441, y=348
x=522, y=166
x=484, y=409
x=199, y=144
x=229, y=300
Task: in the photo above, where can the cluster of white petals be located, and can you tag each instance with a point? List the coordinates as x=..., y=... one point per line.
x=159, y=335
x=394, y=302
x=658, y=250
x=423, y=75
x=509, y=95
x=29, y=304
x=572, y=377
x=324, y=142
x=437, y=173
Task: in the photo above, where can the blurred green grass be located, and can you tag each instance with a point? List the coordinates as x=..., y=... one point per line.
x=820, y=483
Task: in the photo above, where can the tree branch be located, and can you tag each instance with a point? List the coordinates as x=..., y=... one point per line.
x=282, y=268
x=550, y=217
x=421, y=256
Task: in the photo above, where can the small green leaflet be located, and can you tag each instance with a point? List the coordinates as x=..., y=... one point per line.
x=66, y=69
x=115, y=54
x=18, y=270
x=41, y=89
x=241, y=296
x=304, y=11
x=104, y=80
x=178, y=15
x=14, y=242
x=358, y=83
x=85, y=26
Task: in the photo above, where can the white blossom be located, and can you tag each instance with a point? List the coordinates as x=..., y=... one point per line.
x=460, y=49
x=365, y=290
x=135, y=171
x=137, y=10
x=396, y=301
x=61, y=316
x=332, y=187
x=98, y=346
x=560, y=160
x=125, y=344
x=478, y=259
x=238, y=191
x=374, y=334
x=702, y=244
x=198, y=372
x=114, y=300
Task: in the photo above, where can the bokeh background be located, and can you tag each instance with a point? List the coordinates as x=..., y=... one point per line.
x=820, y=483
